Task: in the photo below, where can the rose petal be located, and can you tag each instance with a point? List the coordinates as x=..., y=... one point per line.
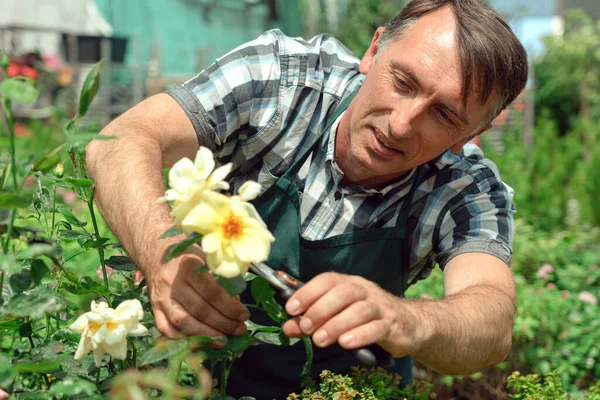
x=211, y=242
x=115, y=335
x=117, y=350
x=182, y=175
x=83, y=348
x=251, y=249
x=230, y=269
x=204, y=162
x=201, y=219
x=249, y=190
x=80, y=324
x=217, y=178
x=129, y=310
x=138, y=330
x=98, y=355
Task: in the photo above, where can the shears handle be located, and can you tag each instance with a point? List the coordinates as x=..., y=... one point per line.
x=370, y=356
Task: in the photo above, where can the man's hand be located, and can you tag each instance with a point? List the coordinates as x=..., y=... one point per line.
x=186, y=303
x=353, y=311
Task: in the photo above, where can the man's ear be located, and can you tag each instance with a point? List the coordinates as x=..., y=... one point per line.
x=459, y=145
x=367, y=60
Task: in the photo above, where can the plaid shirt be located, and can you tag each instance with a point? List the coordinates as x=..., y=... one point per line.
x=263, y=104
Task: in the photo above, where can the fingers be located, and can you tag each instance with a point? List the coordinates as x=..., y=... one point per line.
x=201, y=310
x=341, y=308
x=231, y=308
x=164, y=326
x=186, y=303
x=358, y=315
x=311, y=292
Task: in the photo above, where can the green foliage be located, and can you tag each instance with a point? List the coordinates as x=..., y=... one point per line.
x=361, y=20
x=546, y=387
x=568, y=72
x=363, y=384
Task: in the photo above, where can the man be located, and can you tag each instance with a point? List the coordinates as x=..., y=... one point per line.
x=366, y=176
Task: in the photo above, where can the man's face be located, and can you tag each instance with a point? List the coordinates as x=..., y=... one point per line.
x=409, y=108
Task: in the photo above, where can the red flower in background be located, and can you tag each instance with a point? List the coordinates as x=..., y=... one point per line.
x=19, y=68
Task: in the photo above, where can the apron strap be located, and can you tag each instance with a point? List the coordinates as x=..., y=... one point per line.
x=289, y=175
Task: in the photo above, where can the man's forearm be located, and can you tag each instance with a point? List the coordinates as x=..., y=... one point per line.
x=464, y=332
x=127, y=172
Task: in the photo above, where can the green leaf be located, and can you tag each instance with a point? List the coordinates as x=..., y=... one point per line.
x=4, y=60
x=89, y=88
x=233, y=286
x=43, y=366
x=21, y=281
x=25, y=330
x=180, y=247
x=71, y=387
x=65, y=336
x=7, y=372
x=89, y=285
x=172, y=231
x=70, y=217
x=9, y=265
x=69, y=128
x=120, y=263
x=35, y=304
x=198, y=340
x=74, y=235
x=261, y=290
x=14, y=200
x=53, y=251
x=78, y=182
x=163, y=349
x=46, y=162
x=237, y=344
x=268, y=337
x=19, y=90
x=253, y=327
x=308, y=346
x=38, y=271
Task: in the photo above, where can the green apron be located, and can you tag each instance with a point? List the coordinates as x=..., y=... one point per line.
x=272, y=372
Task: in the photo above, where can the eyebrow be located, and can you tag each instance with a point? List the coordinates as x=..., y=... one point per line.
x=410, y=74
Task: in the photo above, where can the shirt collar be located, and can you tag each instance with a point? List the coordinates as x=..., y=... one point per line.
x=338, y=174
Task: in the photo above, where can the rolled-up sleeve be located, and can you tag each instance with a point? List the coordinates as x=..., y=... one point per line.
x=235, y=97
x=481, y=219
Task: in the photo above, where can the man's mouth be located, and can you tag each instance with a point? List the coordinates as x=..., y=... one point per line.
x=381, y=139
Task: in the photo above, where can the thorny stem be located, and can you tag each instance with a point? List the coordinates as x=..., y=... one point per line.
x=53, y=211
x=6, y=105
x=98, y=240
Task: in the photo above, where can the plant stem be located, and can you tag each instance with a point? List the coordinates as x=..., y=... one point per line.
x=6, y=105
x=53, y=211
x=48, y=326
x=223, y=376
x=98, y=378
x=31, y=342
x=133, y=354
x=98, y=241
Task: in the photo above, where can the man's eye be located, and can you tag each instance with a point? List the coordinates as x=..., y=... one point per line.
x=402, y=83
x=444, y=115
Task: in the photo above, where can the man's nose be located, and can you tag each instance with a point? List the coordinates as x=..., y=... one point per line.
x=405, y=117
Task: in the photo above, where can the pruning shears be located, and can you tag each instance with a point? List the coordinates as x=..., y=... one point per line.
x=286, y=285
